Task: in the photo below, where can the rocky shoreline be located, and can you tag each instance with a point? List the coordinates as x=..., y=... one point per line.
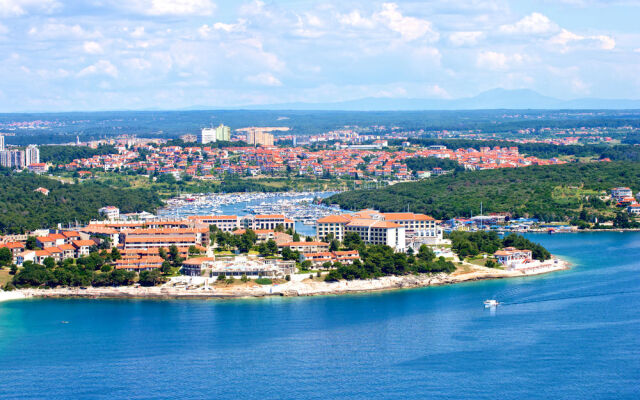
x=302, y=286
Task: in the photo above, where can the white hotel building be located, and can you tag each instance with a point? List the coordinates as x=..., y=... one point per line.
x=392, y=229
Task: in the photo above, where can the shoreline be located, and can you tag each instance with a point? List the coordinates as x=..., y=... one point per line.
x=294, y=288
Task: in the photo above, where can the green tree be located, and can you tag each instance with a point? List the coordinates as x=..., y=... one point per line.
x=305, y=265
x=151, y=278
x=5, y=256
x=31, y=243
x=272, y=247
x=166, y=267
x=162, y=252
x=115, y=254
x=334, y=245
x=426, y=254
x=49, y=262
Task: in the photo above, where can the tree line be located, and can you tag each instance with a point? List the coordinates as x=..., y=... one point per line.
x=469, y=244
x=523, y=192
x=22, y=209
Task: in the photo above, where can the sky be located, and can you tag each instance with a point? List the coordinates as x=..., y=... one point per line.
x=63, y=55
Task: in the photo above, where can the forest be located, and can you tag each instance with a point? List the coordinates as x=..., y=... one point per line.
x=66, y=154
x=22, y=209
x=550, y=193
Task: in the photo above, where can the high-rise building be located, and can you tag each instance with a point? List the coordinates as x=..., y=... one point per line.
x=257, y=137
x=223, y=133
x=207, y=135
x=1, y=143
x=12, y=159
x=32, y=155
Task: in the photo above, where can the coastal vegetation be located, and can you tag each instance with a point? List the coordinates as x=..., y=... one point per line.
x=469, y=244
x=381, y=260
x=535, y=191
x=22, y=209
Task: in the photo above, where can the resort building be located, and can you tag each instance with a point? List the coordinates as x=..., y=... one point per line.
x=318, y=259
x=271, y=222
x=264, y=235
x=332, y=224
x=15, y=247
x=235, y=267
x=139, y=263
x=306, y=247
x=225, y=223
x=392, y=229
x=634, y=209
x=511, y=257
x=164, y=237
x=620, y=193
x=372, y=231
x=110, y=212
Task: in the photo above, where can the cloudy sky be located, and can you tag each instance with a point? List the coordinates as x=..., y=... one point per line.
x=140, y=54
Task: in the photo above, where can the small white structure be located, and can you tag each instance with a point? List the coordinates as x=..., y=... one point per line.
x=513, y=258
x=253, y=267
x=110, y=212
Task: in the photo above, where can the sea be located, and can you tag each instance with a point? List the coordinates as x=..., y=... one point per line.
x=567, y=335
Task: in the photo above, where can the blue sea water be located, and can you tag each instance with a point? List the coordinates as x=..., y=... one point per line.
x=567, y=335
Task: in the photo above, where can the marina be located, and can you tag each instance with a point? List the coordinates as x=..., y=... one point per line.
x=302, y=207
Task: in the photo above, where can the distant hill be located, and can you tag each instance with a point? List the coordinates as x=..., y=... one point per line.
x=491, y=99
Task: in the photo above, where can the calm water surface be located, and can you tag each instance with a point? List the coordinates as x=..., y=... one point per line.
x=568, y=335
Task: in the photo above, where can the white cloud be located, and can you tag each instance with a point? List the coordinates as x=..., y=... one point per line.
x=498, y=61
x=54, y=30
x=356, y=20
x=17, y=8
x=533, y=24
x=264, y=79
x=92, y=47
x=409, y=28
x=239, y=26
x=173, y=7
x=566, y=40
x=389, y=16
x=102, y=67
x=465, y=38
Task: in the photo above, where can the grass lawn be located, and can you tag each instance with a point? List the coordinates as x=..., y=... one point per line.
x=4, y=276
x=479, y=262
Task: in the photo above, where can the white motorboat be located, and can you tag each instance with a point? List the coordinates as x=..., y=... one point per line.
x=491, y=303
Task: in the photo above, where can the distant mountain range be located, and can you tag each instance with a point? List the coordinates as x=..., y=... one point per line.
x=492, y=99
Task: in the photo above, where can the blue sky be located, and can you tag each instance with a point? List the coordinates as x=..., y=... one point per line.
x=139, y=54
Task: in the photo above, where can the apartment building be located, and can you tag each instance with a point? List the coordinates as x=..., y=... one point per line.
x=372, y=231
x=318, y=259
x=110, y=212
x=380, y=228
x=164, y=237
x=270, y=222
x=225, y=223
